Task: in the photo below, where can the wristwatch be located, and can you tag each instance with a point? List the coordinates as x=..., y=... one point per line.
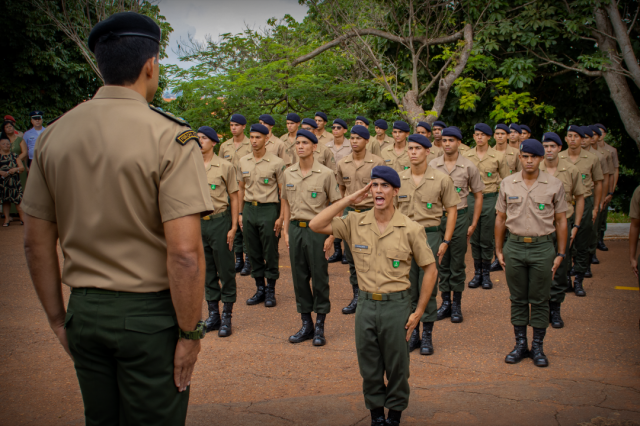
x=576, y=226
x=196, y=334
x=561, y=255
x=447, y=242
x=610, y=193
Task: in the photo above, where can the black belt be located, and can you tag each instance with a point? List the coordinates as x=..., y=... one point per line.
x=85, y=290
x=460, y=212
x=431, y=229
x=300, y=223
x=490, y=195
x=257, y=204
x=383, y=296
x=520, y=239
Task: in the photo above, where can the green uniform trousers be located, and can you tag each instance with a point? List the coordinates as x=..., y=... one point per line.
x=603, y=223
x=353, y=277
x=593, y=238
x=528, y=273
x=220, y=260
x=260, y=238
x=416, y=274
x=309, y=269
x=598, y=230
x=123, y=346
x=382, y=348
x=580, y=249
x=452, y=268
x=482, y=240
x=239, y=245
x=559, y=283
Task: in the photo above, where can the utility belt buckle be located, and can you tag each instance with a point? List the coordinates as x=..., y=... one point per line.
x=527, y=239
x=376, y=296
x=358, y=211
x=254, y=203
x=302, y=224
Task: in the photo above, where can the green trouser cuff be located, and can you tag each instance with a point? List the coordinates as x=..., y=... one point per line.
x=452, y=268
x=220, y=261
x=559, y=284
x=580, y=249
x=261, y=240
x=482, y=240
x=416, y=275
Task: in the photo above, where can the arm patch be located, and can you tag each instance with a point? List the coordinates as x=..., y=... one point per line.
x=186, y=136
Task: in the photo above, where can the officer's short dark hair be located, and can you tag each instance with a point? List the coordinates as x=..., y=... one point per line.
x=120, y=59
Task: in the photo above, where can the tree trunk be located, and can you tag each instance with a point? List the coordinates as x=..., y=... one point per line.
x=411, y=108
x=620, y=31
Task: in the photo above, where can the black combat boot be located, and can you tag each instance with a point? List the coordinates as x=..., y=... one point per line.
x=393, y=418
x=521, y=350
x=554, y=315
x=496, y=266
x=456, y=307
x=337, y=254
x=594, y=260
x=445, y=308
x=476, y=281
x=259, y=296
x=344, y=259
x=569, y=288
x=486, y=277
x=377, y=417
x=213, y=322
x=306, y=331
x=225, y=328
x=351, y=307
x=239, y=262
x=572, y=272
x=270, y=296
x=414, y=341
x=577, y=286
x=426, y=346
x=246, y=269
x=601, y=245
x=537, y=354
x=318, y=335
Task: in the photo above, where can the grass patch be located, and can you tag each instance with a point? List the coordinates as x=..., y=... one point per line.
x=618, y=217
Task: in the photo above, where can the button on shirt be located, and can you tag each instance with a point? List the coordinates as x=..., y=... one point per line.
x=493, y=168
x=512, y=157
x=465, y=175
x=589, y=166
x=354, y=178
x=261, y=178
x=309, y=195
x=383, y=260
x=531, y=211
x=425, y=203
x=230, y=153
x=30, y=137
x=339, y=152
x=571, y=180
x=221, y=181
x=397, y=162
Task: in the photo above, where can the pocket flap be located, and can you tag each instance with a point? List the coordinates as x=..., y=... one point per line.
x=67, y=318
x=514, y=199
x=316, y=189
x=427, y=199
x=149, y=325
x=361, y=248
x=543, y=199
x=217, y=181
x=398, y=255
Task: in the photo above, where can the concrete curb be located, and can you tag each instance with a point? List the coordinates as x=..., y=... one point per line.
x=617, y=231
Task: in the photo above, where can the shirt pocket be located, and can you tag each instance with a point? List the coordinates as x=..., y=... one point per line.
x=514, y=205
x=361, y=256
x=215, y=186
x=266, y=179
x=346, y=181
x=291, y=192
x=246, y=177
x=404, y=204
x=543, y=203
x=399, y=263
x=316, y=195
x=432, y=204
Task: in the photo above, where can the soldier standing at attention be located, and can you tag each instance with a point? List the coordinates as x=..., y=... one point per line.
x=384, y=242
x=574, y=190
x=218, y=231
x=289, y=138
x=323, y=136
x=274, y=144
x=383, y=140
x=425, y=196
x=424, y=129
x=133, y=323
x=322, y=154
x=466, y=179
x=531, y=205
x=526, y=132
x=397, y=156
x=371, y=147
x=436, y=129
x=308, y=188
x=260, y=179
x=354, y=173
x=515, y=135
x=493, y=168
x=613, y=182
x=232, y=151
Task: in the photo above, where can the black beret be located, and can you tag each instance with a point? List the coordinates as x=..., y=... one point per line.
x=267, y=119
x=532, y=146
x=596, y=129
x=421, y=139
x=364, y=120
x=401, y=125
x=322, y=115
x=361, y=131
x=381, y=123
x=452, y=131
x=424, y=125
x=601, y=126
x=292, y=116
x=259, y=128
x=525, y=127
x=341, y=122
x=587, y=131
x=576, y=129
x=35, y=113
x=124, y=24
x=481, y=127
x=439, y=124
x=239, y=119
x=502, y=127
x=307, y=134
x=514, y=126
x=387, y=174
x=552, y=137
x=210, y=133
x=310, y=122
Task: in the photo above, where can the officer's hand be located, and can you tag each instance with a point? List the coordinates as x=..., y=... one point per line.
x=61, y=334
x=230, y=236
x=328, y=245
x=594, y=215
x=556, y=264
x=278, y=226
x=500, y=258
x=607, y=199
x=360, y=195
x=442, y=250
x=286, y=238
x=470, y=232
x=634, y=266
x=574, y=232
x=240, y=223
x=414, y=319
x=184, y=360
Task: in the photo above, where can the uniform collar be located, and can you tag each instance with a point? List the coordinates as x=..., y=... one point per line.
x=398, y=220
x=215, y=161
x=543, y=177
x=440, y=161
x=368, y=157
x=119, y=92
x=315, y=168
x=490, y=152
x=265, y=157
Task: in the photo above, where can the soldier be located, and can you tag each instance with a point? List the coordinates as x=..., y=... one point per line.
x=232, y=151
x=354, y=173
x=218, y=232
x=323, y=136
x=289, y=138
x=613, y=182
x=466, y=179
x=383, y=140
x=133, y=322
x=371, y=147
x=274, y=144
x=531, y=205
x=437, y=128
x=574, y=190
x=397, y=156
x=322, y=154
x=608, y=172
x=384, y=242
x=515, y=135
x=260, y=179
x=526, y=132
x=592, y=177
x=424, y=129
x=308, y=188
x=362, y=121
x=425, y=196
x=493, y=168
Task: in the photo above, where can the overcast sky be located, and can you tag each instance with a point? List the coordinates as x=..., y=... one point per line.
x=214, y=17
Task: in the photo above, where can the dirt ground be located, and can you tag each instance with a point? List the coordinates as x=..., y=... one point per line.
x=257, y=377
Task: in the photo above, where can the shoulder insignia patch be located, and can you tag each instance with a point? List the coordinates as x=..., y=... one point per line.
x=186, y=136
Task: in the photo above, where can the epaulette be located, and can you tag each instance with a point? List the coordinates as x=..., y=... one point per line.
x=169, y=116
x=54, y=120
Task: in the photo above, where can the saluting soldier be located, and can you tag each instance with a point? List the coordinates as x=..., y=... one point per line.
x=322, y=154
x=425, y=196
x=384, y=242
x=218, y=231
x=382, y=139
x=323, y=136
x=613, y=182
x=531, y=205
x=274, y=144
x=133, y=323
x=515, y=136
x=354, y=173
x=574, y=191
x=493, y=168
x=308, y=188
x=260, y=179
x=424, y=129
x=371, y=147
x=467, y=181
x=397, y=156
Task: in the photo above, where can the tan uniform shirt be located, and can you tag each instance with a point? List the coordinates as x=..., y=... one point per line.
x=614, y=155
x=531, y=211
x=493, y=168
x=634, y=208
x=221, y=180
x=261, y=178
x=397, y=162
x=605, y=160
x=109, y=173
x=342, y=151
x=322, y=155
x=228, y=151
x=278, y=148
x=383, y=261
x=571, y=180
x=463, y=148
x=465, y=175
x=325, y=138
x=512, y=156
x=434, y=152
x=374, y=147
x=426, y=202
x=386, y=142
x=589, y=166
x=309, y=195
x=354, y=178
